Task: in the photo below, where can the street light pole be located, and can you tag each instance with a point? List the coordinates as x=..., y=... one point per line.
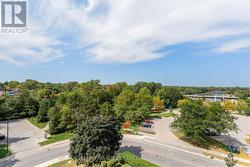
x=7, y=136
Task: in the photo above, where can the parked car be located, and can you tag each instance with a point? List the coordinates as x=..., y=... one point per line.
x=147, y=125
x=246, y=150
x=148, y=121
x=2, y=137
x=157, y=117
x=234, y=149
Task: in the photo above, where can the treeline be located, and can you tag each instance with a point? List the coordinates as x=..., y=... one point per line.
x=62, y=104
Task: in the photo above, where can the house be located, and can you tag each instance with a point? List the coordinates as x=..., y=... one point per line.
x=1, y=91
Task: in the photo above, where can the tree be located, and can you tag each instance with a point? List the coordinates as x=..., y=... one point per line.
x=134, y=107
x=29, y=84
x=240, y=106
x=197, y=121
x=97, y=138
x=137, y=115
x=31, y=106
x=230, y=162
x=219, y=120
x=144, y=97
x=42, y=116
x=123, y=102
x=54, y=120
x=192, y=121
x=116, y=88
x=13, y=84
x=170, y=95
x=14, y=108
x=228, y=105
x=106, y=109
x=158, y=104
x=182, y=103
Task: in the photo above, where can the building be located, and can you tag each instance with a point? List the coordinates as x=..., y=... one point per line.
x=214, y=96
x=13, y=92
x=1, y=91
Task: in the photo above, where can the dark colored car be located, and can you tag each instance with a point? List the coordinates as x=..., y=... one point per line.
x=148, y=121
x=157, y=117
x=146, y=125
x=2, y=137
x=234, y=149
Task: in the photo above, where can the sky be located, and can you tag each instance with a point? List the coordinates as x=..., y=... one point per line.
x=174, y=42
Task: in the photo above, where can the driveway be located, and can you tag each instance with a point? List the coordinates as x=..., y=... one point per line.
x=23, y=137
x=164, y=134
x=237, y=139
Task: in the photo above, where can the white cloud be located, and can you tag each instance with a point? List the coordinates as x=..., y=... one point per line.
x=23, y=49
x=233, y=46
x=128, y=30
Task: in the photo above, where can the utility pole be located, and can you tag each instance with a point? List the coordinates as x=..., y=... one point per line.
x=8, y=137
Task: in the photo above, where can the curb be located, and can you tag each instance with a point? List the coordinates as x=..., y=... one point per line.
x=206, y=154
x=53, y=161
x=56, y=144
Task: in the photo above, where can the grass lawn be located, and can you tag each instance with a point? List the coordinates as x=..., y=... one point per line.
x=3, y=151
x=33, y=120
x=129, y=158
x=57, y=138
x=66, y=163
x=162, y=114
x=135, y=161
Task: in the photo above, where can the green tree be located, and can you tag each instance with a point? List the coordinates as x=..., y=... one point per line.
x=67, y=118
x=230, y=162
x=97, y=139
x=192, y=121
x=54, y=120
x=107, y=109
x=29, y=84
x=14, y=108
x=42, y=116
x=197, y=121
x=219, y=120
x=135, y=107
x=137, y=115
x=170, y=95
x=13, y=84
x=144, y=97
x=31, y=106
x=240, y=106
x=123, y=103
x=116, y=88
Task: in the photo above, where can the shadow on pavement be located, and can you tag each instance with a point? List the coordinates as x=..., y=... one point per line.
x=229, y=140
x=13, y=140
x=8, y=162
x=17, y=139
x=137, y=150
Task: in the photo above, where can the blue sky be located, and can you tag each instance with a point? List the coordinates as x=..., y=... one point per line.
x=175, y=42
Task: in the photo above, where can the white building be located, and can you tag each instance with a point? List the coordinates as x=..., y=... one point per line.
x=214, y=96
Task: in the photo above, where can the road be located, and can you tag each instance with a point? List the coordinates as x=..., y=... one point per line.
x=27, y=153
x=163, y=156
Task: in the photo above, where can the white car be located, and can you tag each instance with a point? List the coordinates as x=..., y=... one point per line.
x=247, y=150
